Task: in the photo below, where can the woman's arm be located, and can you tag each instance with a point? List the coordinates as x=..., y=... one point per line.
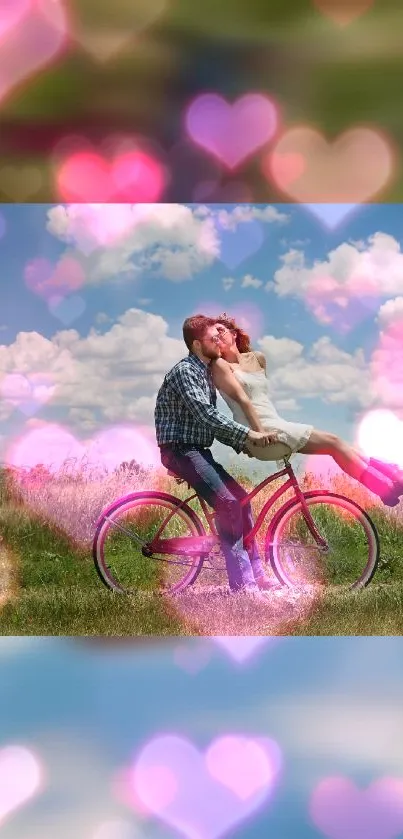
x=225, y=380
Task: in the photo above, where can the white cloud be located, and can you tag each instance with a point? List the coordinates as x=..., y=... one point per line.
x=251, y=282
x=228, y=282
x=353, y=270
x=111, y=376
x=112, y=240
x=230, y=219
x=174, y=241
x=280, y=351
x=386, y=361
x=391, y=312
x=322, y=371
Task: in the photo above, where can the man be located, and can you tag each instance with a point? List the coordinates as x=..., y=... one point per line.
x=187, y=422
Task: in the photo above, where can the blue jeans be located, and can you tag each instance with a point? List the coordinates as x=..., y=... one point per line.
x=213, y=484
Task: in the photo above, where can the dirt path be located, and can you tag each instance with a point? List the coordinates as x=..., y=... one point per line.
x=7, y=574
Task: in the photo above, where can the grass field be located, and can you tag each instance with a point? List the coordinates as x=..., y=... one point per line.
x=49, y=586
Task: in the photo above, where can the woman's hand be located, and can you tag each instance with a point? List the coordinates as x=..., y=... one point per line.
x=262, y=438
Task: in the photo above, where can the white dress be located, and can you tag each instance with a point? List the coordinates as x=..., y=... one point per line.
x=292, y=435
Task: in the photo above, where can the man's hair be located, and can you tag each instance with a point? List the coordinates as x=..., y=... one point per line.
x=195, y=328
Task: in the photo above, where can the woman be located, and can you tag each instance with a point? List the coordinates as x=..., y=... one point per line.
x=240, y=376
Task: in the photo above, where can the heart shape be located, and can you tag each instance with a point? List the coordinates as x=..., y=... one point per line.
x=53, y=446
x=50, y=280
x=20, y=779
x=67, y=309
x=242, y=647
x=232, y=133
x=341, y=811
x=342, y=306
x=350, y=171
x=204, y=796
x=38, y=36
x=103, y=31
x=239, y=242
x=27, y=393
x=132, y=176
x=343, y=12
x=191, y=658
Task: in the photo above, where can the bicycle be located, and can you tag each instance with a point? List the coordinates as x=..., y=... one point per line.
x=317, y=538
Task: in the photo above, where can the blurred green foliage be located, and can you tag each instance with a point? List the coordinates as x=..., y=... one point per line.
x=320, y=73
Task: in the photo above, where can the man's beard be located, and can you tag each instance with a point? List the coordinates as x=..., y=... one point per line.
x=211, y=354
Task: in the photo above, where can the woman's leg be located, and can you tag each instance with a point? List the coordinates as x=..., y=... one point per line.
x=350, y=461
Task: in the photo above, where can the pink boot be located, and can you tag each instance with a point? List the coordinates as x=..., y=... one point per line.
x=381, y=485
x=391, y=471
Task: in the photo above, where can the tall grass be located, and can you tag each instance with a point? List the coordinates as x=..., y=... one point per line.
x=48, y=584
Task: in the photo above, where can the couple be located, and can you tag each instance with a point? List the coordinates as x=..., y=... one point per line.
x=187, y=422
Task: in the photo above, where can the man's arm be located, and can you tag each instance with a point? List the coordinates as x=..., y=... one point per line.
x=185, y=382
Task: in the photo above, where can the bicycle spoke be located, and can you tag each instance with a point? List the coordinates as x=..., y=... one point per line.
x=352, y=550
x=124, y=552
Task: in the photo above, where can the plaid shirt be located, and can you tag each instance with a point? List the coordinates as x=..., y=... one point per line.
x=185, y=410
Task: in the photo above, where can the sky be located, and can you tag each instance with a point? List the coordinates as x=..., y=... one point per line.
x=84, y=712
x=92, y=300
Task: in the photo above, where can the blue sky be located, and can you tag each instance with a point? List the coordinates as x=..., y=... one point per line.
x=332, y=705
x=106, y=344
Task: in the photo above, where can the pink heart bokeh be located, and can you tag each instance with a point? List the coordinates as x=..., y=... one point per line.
x=27, y=393
x=53, y=445
x=48, y=280
x=342, y=307
x=191, y=658
x=32, y=34
x=231, y=132
x=205, y=795
x=351, y=170
x=131, y=175
x=341, y=811
x=242, y=647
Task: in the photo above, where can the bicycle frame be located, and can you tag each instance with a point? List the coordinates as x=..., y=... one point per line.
x=190, y=545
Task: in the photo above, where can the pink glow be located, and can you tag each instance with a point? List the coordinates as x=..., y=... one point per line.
x=380, y=435
x=52, y=445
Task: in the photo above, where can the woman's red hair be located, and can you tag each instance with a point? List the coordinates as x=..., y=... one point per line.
x=242, y=337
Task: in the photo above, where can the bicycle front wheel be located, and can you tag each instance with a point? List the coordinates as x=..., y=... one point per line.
x=352, y=553
x=126, y=528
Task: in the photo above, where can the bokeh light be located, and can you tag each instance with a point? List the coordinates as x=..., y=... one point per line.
x=380, y=435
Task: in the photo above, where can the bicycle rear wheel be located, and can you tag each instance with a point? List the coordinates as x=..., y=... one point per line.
x=352, y=553
x=126, y=528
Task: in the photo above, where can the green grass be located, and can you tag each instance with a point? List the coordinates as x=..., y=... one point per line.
x=49, y=586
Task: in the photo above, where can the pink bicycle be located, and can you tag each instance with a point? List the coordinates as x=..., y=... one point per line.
x=157, y=542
